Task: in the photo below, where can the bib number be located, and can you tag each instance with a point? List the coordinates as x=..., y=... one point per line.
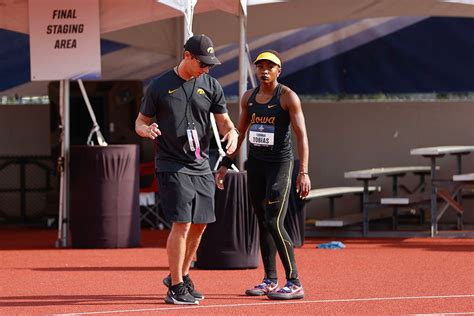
x=262, y=135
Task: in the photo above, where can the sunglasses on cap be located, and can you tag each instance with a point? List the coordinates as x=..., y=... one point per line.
x=201, y=64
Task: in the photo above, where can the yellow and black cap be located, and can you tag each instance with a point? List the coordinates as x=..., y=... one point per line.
x=269, y=55
x=201, y=47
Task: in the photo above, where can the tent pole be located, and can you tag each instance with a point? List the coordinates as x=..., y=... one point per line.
x=67, y=125
x=242, y=155
x=63, y=224
x=188, y=19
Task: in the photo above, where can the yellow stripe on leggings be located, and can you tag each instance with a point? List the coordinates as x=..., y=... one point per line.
x=279, y=215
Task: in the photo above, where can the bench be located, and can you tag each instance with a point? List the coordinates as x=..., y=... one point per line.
x=337, y=191
x=332, y=193
x=454, y=198
x=466, y=177
x=405, y=200
x=442, y=150
x=433, y=153
x=351, y=219
x=408, y=203
x=390, y=171
x=368, y=175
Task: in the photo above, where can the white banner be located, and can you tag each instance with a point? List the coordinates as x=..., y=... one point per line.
x=64, y=39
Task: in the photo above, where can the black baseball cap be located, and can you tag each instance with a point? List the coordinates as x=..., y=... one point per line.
x=201, y=47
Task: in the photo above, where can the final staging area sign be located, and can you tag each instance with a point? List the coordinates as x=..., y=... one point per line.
x=64, y=39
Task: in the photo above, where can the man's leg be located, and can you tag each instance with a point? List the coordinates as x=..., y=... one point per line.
x=176, y=248
x=192, y=244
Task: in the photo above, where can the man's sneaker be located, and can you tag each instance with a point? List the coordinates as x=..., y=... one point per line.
x=289, y=292
x=189, y=285
x=263, y=288
x=178, y=294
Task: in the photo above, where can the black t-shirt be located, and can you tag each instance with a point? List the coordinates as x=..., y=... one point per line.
x=179, y=105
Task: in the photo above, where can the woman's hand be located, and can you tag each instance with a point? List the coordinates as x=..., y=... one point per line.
x=303, y=185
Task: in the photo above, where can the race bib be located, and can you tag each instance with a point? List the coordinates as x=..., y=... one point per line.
x=262, y=135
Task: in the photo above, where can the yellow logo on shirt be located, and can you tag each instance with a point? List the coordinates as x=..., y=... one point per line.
x=171, y=91
x=262, y=119
x=200, y=91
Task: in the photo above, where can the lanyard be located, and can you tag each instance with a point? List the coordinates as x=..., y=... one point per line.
x=193, y=138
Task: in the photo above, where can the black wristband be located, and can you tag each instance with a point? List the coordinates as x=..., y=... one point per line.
x=226, y=162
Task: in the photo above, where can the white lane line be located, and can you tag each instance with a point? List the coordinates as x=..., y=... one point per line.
x=368, y=299
x=443, y=314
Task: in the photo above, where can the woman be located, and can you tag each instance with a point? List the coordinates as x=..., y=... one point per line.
x=268, y=111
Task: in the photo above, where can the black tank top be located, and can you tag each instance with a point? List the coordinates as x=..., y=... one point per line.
x=269, y=132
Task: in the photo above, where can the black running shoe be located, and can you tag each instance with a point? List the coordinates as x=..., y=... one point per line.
x=178, y=294
x=189, y=285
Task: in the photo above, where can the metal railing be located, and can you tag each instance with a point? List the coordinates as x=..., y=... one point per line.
x=23, y=188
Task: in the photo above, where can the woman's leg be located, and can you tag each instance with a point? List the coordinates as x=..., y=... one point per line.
x=256, y=183
x=278, y=192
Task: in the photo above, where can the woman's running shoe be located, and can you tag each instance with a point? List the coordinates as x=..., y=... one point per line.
x=263, y=288
x=290, y=291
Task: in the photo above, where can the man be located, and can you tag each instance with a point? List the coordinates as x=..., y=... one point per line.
x=269, y=110
x=182, y=100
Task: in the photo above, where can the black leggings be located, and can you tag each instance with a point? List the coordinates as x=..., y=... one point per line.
x=269, y=186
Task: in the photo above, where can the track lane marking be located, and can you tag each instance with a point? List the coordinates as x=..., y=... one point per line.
x=369, y=299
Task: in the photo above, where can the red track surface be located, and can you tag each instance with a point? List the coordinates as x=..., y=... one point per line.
x=369, y=277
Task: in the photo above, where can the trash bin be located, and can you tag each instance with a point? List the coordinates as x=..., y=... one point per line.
x=104, y=196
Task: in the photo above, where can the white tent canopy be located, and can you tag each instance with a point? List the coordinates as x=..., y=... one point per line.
x=154, y=31
x=114, y=14
x=270, y=18
x=263, y=19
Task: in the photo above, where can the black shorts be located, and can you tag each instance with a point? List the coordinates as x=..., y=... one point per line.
x=187, y=198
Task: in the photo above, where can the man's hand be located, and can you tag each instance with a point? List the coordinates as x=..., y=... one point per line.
x=145, y=127
x=151, y=131
x=232, y=138
x=219, y=177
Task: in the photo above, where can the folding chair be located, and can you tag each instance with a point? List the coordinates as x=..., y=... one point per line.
x=149, y=202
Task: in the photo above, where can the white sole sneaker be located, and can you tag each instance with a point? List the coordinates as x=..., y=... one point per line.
x=170, y=300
